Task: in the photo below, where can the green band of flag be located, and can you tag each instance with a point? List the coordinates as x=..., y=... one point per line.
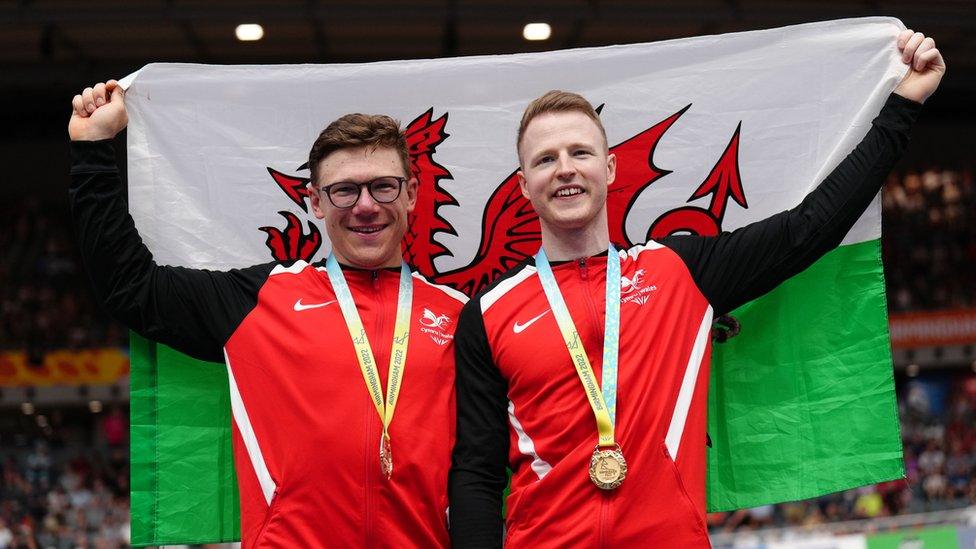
x=184, y=488
x=805, y=406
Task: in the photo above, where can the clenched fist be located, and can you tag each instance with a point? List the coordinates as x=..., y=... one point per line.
x=98, y=112
x=925, y=66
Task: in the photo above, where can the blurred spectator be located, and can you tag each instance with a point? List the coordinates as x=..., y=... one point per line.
x=762, y=516
x=115, y=427
x=932, y=458
x=6, y=536
x=39, y=466
x=868, y=503
x=934, y=485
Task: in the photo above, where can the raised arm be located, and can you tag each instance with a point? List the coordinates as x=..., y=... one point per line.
x=734, y=268
x=193, y=311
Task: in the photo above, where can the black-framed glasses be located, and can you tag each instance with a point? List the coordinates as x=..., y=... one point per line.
x=345, y=194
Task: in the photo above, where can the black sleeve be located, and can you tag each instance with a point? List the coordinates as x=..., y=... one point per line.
x=193, y=311
x=734, y=268
x=478, y=475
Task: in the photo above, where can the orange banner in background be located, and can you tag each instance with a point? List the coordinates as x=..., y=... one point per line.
x=931, y=329
x=88, y=367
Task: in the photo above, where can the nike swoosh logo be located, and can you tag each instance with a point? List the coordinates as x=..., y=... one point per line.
x=299, y=306
x=518, y=328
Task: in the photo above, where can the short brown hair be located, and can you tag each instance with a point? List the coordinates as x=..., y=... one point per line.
x=558, y=101
x=359, y=130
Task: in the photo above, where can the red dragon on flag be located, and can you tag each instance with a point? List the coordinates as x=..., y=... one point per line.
x=510, y=228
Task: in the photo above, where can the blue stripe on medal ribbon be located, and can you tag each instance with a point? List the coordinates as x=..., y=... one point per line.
x=404, y=303
x=611, y=330
x=611, y=334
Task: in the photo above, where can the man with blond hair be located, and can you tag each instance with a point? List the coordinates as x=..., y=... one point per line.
x=538, y=350
x=321, y=459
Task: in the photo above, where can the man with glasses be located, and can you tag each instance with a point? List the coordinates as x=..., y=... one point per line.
x=342, y=395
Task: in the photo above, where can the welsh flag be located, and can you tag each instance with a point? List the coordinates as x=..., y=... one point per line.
x=710, y=133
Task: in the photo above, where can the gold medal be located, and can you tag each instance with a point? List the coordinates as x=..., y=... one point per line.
x=386, y=456
x=608, y=468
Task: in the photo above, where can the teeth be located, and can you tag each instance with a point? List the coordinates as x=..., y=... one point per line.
x=569, y=192
x=366, y=229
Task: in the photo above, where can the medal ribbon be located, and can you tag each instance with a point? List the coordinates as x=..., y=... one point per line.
x=604, y=403
x=364, y=353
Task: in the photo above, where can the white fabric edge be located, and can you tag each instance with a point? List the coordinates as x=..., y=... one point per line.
x=635, y=251
x=243, y=422
x=128, y=79
x=539, y=466
x=503, y=287
x=677, y=427
x=446, y=289
x=295, y=268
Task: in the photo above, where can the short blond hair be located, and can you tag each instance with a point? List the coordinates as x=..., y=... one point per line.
x=558, y=101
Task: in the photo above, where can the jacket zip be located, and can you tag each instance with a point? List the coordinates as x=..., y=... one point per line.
x=596, y=326
x=597, y=329
x=372, y=457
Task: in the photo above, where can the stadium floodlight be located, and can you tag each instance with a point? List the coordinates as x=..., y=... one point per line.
x=249, y=32
x=537, y=31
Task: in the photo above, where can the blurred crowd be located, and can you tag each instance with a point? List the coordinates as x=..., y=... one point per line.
x=929, y=241
x=940, y=462
x=68, y=488
x=45, y=299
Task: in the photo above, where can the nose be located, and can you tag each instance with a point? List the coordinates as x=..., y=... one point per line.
x=365, y=204
x=564, y=166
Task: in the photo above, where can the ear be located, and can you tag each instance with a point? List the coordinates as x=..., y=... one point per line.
x=522, y=185
x=315, y=198
x=611, y=168
x=412, y=186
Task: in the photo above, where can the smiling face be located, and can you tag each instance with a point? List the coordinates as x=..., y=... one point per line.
x=368, y=234
x=566, y=169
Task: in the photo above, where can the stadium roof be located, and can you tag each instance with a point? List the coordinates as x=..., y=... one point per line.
x=46, y=43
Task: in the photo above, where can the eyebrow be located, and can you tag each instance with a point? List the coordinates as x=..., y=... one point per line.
x=577, y=145
x=365, y=182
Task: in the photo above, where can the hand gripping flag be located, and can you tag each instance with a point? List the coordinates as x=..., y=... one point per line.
x=710, y=133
